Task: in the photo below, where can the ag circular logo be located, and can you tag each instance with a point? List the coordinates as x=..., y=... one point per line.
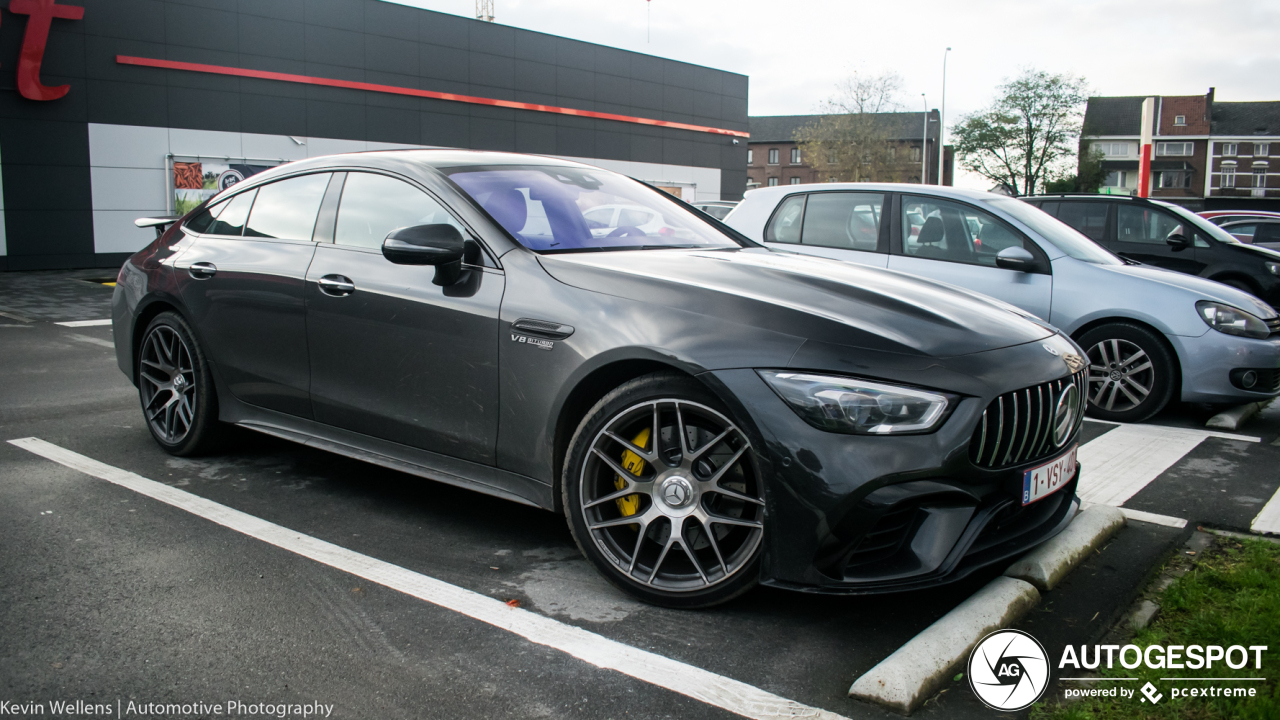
x=1008, y=670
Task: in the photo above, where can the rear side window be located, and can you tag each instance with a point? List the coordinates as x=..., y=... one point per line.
x=850, y=221
x=1147, y=225
x=1050, y=208
x=1090, y=218
x=287, y=209
x=374, y=205
x=785, y=226
x=203, y=219
x=231, y=220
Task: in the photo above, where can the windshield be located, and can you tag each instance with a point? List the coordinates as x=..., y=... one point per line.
x=1203, y=225
x=1063, y=236
x=565, y=209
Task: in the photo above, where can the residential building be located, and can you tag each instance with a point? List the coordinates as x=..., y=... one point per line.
x=1206, y=154
x=774, y=156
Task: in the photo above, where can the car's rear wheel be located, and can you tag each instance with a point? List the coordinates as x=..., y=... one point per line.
x=663, y=495
x=176, y=388
x=1131, y=372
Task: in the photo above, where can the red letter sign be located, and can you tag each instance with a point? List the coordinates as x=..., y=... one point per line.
x=42, y=13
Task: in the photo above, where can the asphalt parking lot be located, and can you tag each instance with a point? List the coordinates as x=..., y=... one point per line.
x=108, y=594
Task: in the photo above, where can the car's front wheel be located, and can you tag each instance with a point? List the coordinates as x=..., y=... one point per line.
x=176, y=388
x=663, y=495
x=1131, y=372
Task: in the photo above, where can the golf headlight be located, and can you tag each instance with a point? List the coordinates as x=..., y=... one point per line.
x=1230, y=320
x=849, y=405
x=1273, y=268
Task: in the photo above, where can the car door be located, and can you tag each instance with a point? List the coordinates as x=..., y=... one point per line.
x=956, y=243
x=840, y=225
x=1089, y=218
x=1141, y=232
x=394, y=356
x=242, y=283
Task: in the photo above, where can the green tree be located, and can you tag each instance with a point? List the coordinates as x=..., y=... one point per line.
x=1026, y=136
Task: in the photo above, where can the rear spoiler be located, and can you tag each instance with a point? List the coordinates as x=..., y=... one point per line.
x=159, y=223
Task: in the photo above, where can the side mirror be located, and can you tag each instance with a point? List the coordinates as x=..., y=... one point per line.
x=441, y=245
x=1016, y=258
x=1178, y=241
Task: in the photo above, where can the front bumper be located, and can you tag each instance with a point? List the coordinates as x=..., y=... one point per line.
x=855, y=514
x=1209, y=359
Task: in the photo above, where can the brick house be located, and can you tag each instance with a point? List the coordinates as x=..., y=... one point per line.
x=1206, y=154
x=774, y=158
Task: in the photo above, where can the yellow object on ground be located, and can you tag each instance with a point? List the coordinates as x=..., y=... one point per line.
x=634, y=464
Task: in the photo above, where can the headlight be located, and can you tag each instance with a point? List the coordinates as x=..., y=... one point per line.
x=1273, y=268
x=849, y=405
x=1232, y=321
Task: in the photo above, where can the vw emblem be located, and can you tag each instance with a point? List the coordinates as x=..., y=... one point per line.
x=1064, y=415
x=1050, y=349
x=677, y=492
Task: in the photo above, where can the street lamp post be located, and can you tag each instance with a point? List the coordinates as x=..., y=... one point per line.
x=942, y=121
x=924, y=143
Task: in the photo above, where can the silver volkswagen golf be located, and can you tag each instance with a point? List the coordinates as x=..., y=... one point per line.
x=1152, y=335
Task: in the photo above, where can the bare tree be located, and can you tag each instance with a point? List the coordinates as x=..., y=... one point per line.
x=1028, y=134
x=849, y=141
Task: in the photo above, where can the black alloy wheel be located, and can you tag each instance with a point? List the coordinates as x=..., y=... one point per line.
x=175, y=387
x=678, y=522
x=1131, y=372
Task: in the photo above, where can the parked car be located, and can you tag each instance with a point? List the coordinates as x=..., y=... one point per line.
x=1219, y=217
x=1151, y=335
x=1168, y=236
x=1258, y=231
x=717, y=209
x=705, y=412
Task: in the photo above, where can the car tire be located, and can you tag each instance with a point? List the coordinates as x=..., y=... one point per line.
x=691, y=533
x=175, y=387
x=1131, y=372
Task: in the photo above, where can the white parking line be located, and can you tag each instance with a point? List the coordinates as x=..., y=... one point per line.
x=1123, y=461
x=93, y=340
x=708, y=687
x=1268, y=521
x=84, y=323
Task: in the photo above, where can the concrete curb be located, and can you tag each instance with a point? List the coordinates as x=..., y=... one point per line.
x=1045, y=566
x=1233, y=418
x=911, y=675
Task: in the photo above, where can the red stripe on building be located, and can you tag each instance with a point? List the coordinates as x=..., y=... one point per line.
x=413, y=92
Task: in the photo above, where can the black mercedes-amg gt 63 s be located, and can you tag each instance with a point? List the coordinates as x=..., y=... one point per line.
x=705, y=412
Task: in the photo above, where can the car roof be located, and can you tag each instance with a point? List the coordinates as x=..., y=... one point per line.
x=945, y=191
x=1261, y=220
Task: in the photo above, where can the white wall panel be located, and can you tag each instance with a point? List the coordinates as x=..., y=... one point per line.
x=114, y=231
x=209, y=143
x=272, y=147
x=127, y=146
x=328, y=146
x=128, y=188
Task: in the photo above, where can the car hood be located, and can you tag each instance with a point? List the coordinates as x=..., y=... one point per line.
x=1265, y=252
x=1196, y=286
x=804, y=296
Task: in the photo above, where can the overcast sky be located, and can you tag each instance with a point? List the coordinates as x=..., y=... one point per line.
x=794, y=51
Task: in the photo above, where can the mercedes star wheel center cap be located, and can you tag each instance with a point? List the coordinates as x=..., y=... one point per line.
x=676, y=492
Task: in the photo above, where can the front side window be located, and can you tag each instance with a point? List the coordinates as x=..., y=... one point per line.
x=231, y=220
x=287, y=209
x=942, y=230
x=1090, y=218
x=773, y=156
x=1146, y=225
x=795, y=156
x=545, y=208
x=374, y=205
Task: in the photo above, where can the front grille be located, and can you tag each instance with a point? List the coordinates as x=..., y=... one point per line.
x=1017, y=427
x=1274, y=325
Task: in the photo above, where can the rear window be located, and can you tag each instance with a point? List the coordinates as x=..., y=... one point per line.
x=231, y=220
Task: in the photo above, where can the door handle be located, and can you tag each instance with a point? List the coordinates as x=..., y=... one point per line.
x=202, y=270
x=336, y=285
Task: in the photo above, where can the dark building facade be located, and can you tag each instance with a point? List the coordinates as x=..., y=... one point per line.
x=776, y=158
x=139, y=107
x=1206, y=154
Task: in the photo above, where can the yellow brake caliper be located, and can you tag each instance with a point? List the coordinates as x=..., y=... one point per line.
x=634, y=464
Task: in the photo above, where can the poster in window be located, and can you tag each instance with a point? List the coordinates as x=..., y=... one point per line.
x=196, y=181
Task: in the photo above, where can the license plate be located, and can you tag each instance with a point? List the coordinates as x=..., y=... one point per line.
x=1040, y=482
